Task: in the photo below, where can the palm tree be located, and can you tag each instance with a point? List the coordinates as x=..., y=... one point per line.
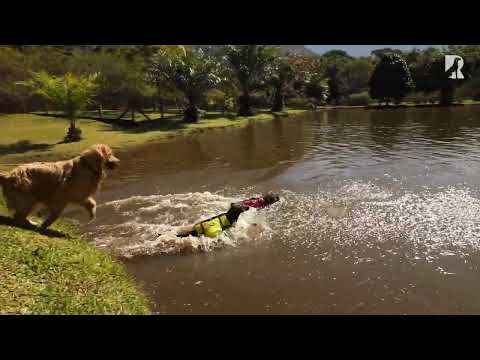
x=248, y=64
x=190, y=71
x=68, y=93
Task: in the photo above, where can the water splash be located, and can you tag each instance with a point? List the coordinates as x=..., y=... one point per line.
x=362, y=221
x=149, y=224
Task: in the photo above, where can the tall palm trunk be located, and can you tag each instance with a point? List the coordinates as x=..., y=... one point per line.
x=190, y=114
x=245, y=106
x=162, y=109
x=277, y=104
x=73, y=133
x=446, y=95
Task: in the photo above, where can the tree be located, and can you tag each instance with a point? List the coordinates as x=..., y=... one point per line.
x=333, y=83
x=336, y=53
x=430, y=75
x=280, y=76
x=68, y=93
x=391, y=79
x=355, y=75
x=385, y=51
x=309, y=77
x=12, y=70
x=317, y=89
x=121, y=77
x=16, y=64
x=190, y=71
x=248, y=65
x=335, y=62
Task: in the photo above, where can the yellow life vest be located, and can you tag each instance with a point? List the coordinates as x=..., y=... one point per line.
x=213, y=227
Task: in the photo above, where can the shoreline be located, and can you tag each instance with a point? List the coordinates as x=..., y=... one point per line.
x=42, y=134
x=59, y=272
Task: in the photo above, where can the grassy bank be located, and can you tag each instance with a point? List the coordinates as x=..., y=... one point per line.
x=58, y=273
x=29, y=137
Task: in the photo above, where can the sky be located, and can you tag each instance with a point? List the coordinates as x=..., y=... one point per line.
x=362, y=50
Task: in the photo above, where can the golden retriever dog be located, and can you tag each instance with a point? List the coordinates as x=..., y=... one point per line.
x=54, y=185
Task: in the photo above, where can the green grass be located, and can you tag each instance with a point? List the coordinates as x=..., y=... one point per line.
x=31, y=137
x=42, y=274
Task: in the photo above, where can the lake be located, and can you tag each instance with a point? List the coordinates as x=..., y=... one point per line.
x=380, y=214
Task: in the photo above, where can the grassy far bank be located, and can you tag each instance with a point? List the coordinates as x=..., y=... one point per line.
x=42, y=274
x=30, y=137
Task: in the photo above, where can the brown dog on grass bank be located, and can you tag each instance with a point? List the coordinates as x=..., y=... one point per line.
x=54, y=185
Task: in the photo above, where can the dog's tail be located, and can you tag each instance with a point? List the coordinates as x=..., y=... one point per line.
x=3, y=178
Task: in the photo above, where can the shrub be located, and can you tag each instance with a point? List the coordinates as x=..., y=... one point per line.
x=298, y=103
x=416, y=98
x=469, y=90
x=360, y=99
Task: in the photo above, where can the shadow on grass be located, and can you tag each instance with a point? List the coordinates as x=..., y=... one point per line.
x=170, y=123
x=22, y=146
x=4, y=220
x=167, y=124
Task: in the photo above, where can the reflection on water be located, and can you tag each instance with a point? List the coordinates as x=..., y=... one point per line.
x=380, y=213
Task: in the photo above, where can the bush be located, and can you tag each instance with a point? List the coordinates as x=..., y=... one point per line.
x=469, y=90
x=298, y=103
x=422, y=98
x=260, y=100
x=360, y=99
x=416, y=98
x=214, y=100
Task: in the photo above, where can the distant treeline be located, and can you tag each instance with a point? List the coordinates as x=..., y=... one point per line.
x=237, y=78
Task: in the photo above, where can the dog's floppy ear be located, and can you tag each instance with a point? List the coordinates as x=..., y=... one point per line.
x=93, y=158
x=102, y=149
x=107, y=154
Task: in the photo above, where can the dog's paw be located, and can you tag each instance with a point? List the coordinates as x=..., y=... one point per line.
x=92, y=214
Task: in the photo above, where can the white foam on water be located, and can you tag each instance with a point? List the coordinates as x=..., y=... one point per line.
x=365, y=221
x=148, y=224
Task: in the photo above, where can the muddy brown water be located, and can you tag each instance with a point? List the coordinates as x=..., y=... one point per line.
x=380, y=214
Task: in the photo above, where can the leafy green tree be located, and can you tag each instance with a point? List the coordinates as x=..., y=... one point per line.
x=336, y=54
x=121, y=77
x=429, y=71
x=335, y=61
x=190, y=71
x=12, y=70
x=309, y=77
x=280, y=76
x=355, y=75
x=248, y=65
x=385, y=51
x=334, y=86
x=68, y=93
x=391, y=79
x=317, y=89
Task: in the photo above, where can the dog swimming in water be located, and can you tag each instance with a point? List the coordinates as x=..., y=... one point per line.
x=216, y=225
